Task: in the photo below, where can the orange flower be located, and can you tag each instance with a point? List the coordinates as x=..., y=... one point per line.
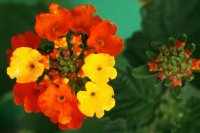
x=61, y=42
x=58, y=103
x=76, y=40
x=53, y=25
x=83, y=18
x=45, y=61
x=54, y=53
x=76, y=121
x=27, y=93
x=152, y=66
x=195, y=64
x=176, y=83
x=104, y=40
x=28, y=39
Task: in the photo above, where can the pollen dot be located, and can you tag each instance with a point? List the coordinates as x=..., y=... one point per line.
x=56, y=28
x=92, y=93
x=99, y=68
x=61, y=98
x=32, y=66
x=101, y=42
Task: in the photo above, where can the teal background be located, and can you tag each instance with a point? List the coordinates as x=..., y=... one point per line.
x=18, y=16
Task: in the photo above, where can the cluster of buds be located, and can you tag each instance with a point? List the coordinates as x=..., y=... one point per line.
x=172, y=63
x=64, y=70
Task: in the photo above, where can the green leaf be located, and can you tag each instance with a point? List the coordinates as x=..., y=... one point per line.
x=156, y=45
x=157, y=82
x=151, y=54
x=177, y=91
x=117, y=126
x=142, y=72
x=46, y=47
x=168, y=82
x=191, y=120
x=136, y=100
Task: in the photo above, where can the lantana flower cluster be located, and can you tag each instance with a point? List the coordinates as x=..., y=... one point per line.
x=64, y=70
x=173, y=63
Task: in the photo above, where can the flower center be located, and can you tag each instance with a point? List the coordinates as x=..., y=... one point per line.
x=92, y=94
x=61, y=98
x=99, y=68
x=101, y=42
x=32, y=66
x=56, y=28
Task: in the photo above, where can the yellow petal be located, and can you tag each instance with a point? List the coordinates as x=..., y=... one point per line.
x=25, y=65
x=99, y=67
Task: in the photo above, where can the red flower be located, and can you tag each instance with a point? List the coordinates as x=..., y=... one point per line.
x=58, y=103
x=104, y=40
x=53, y=25
x=188, y=53
x=152, y=66
x=83, y=18
x=161, y=76
x=9, y=55
x=180, y=44
x=28, y=39
x=27, y=93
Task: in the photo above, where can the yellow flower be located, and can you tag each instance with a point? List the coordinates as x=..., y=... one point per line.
x=96, y=99
x=99, y=67
x=25, y=65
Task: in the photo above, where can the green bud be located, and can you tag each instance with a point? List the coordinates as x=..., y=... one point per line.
x=70, y=62
x=66, y=69
x=156, y=45
x=58, y=57
x=182, y=38
x=175, y=69
x=72, y=68
x=168, y=82
x=189, y=78
x=150, y=54
x=183, y=65
x=66, y=58
x=60, y=68
x=164, y=66
x=63, y=63
x=191, y=48
x=171, y=41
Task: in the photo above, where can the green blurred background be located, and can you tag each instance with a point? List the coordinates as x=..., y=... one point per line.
x=141, y=107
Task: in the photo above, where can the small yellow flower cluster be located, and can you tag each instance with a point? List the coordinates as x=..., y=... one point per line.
x=98, y=95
